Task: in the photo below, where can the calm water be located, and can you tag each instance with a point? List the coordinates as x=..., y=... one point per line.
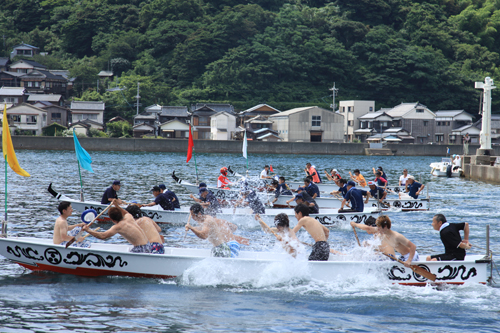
x=207, y=298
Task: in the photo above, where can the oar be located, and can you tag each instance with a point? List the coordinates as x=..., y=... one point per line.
x=87, y=235
x=186, y=233
x=264, y=224
x=81, y=231
x=417, y=269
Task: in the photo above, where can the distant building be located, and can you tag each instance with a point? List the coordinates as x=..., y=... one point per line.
x=309, y=124
x=24, y=50
x=222, y=126
x=13, y=95
x=372, y=123
x=26, y=66
x=10, y=79
x=142, y=129
x=57, y=114
x=81, y=110
x=447, y=121
x=200, y=118
x=27, y=119
x=4, y=64
x=55, y=99
x=174, y=129
x=352, y=110
x=263, y=110
x=44, y=82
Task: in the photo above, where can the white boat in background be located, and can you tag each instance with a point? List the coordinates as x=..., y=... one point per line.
x=239, y=216
x=330, y=187
x=335, y=203
x=103, y=259
x=445, y=168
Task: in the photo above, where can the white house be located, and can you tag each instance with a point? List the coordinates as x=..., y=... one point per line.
x=24, y=50
x=309, y=124
x=174, y=129
x=352, y=110
x=26, y=66
x=222, y=126
x=27, y=118
x=81, y=110
x=13, y=95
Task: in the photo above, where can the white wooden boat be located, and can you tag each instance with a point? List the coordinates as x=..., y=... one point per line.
x=445, y=168
x=335, y=203
x=330, y=187
x=238, y=216
x=103, y=259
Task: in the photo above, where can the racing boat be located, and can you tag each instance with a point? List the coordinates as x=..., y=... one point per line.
x=103, y=259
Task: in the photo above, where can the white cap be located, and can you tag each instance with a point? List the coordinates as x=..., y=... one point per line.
x=334, y=170
x=411, y=177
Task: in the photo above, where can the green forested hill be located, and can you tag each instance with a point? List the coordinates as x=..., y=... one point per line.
x=281, y=52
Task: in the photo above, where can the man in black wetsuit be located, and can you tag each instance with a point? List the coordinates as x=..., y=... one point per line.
x=454, y=246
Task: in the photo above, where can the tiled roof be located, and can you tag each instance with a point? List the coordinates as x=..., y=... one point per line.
x=258, y=107
x=214, y=106
x=4, y=61
x=12, y=91
x=87, y=105
x=31, y=62
x=44, y=98
x=24, y=44
x=174, y=111
x=47, y=74
x=292, y=111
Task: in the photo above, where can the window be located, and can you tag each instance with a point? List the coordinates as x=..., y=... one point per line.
x=56, y=115
x=203, y=121
x=362, y=125
x=350, y=123
x=371, y=108
x=10, y=99
x=349, y=109
x=370, y=125
x=37, y=84
x=439, y=138
x=31, y=119
x=316, y=121
x=425, y=122
x=420, y=110
x=22, y=70
x=15, y=118
x=30, y=84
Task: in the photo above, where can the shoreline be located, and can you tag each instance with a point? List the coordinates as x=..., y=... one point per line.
x=213, y=146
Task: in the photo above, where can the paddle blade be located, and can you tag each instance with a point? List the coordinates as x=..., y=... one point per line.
x=420, y=271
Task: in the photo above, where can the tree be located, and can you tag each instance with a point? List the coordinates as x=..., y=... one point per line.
x=119, y=129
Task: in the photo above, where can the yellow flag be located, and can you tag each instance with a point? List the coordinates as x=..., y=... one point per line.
x=8, y=148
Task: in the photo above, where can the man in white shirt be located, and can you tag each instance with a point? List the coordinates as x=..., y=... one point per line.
x=457, y=162
x=403, y=178
x=265, y=173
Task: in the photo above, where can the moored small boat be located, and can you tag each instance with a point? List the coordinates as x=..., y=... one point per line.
x=445, y=168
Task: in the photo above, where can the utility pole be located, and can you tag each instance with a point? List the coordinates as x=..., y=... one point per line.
x=334, y=93
x=485, y=134
x=138, y=98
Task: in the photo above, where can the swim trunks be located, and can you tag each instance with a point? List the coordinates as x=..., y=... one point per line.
x=157, y=248
x=235, y=248
x=146, y=248
x=405, y=257
x=320, y=251
x=223, y=250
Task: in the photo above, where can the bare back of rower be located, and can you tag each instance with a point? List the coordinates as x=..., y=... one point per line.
x=317, y=231
x=127, y=228
x=384, y=247
x=151, y=229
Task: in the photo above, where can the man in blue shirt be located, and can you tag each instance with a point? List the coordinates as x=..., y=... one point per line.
x=342, y=184
x=160, y=199
x=376, y=192
x=311, y=188
x=171, y=195
x=208, y=201
x=110, y=193
x=413, y=188
x=301, y=199
x=281, y=189
x=355, y=197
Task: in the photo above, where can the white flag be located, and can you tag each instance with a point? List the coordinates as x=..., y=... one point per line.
x=245, y=145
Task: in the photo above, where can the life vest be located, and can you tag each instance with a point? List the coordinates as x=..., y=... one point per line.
x=223, y=182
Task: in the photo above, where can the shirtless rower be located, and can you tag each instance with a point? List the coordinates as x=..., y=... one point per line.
x=61, y=227
x=320, y=233
x=391, y=240
x=218, y=232
x=126, y=227
x=285, y=235
x=150, y=228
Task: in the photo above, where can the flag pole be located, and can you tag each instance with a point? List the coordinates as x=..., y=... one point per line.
x=81, y=183
x=195, y=167
x=4, y=222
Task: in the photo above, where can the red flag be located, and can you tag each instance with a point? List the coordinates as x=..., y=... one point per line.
x=271, y=168
x=190, y=145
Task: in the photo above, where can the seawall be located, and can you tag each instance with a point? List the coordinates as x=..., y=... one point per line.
x=212, y=146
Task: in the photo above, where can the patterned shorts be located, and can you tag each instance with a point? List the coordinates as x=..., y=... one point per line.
x=146, y=248
x=157, y=248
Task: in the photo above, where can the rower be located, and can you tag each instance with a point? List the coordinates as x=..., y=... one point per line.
x=381, y=181
x=311, y=171
x=334, y=175
x=358, y=178
x=355, y=197
x=283, y=233
x=208, y=201
x=61, y=227
x=265, y=173
x=307, y=199
x=218, y=232
x=150, y=228
x=252, y=200
x=391, y=239
x=111, y=194
x=281, y=189
x=413, y=188
x=377, y=193
x=454, y=246
x=171, y=195
x=403, y=178
x=126, y=227
x=223, y=182
x=160, y=199
x=342, y=184
x=320, y=233
x=379, y=169
x=311, y=188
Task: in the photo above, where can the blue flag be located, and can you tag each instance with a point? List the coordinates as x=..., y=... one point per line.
x=81, y=154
